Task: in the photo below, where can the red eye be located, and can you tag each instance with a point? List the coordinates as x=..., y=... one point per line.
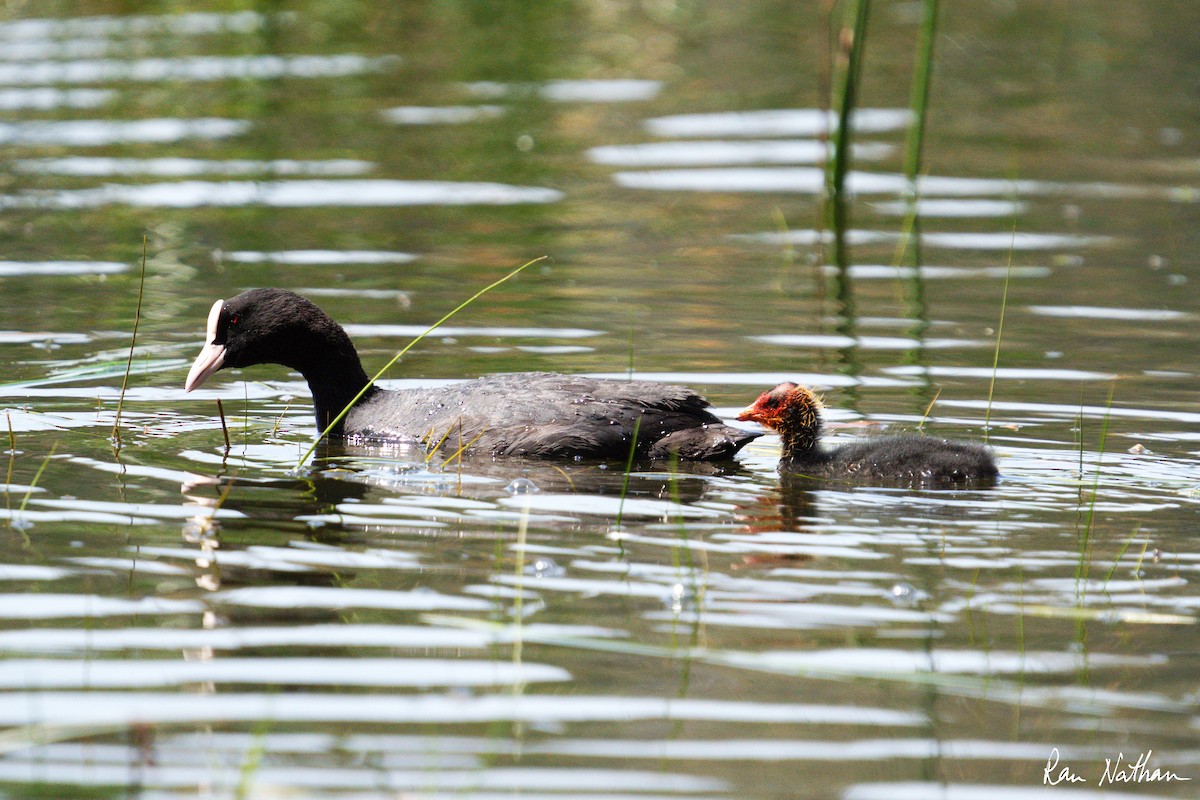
x=233, y=321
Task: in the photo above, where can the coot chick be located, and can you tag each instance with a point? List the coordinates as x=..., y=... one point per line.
x=905, y=460
x=518, y=414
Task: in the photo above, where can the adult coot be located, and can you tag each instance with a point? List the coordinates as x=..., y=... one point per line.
x=795, y=413
x=519, y=414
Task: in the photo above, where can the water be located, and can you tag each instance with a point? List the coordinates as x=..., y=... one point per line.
x=184, y=621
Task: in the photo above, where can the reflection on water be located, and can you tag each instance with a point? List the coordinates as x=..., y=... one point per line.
x=655, y=154
x=186, y=615
x=10, y=269
x=320, y=257
x=179, y=167
x=195, y=68
x=1091, y=312
x=285, y=194
x=777, y=122
x=189, y=24
x=45, y=99
x=809, y=180
x=439, y=115
x=99, y=133
x=574, y=91
x=959, y=241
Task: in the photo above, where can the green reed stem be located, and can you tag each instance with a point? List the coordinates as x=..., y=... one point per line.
x=987, y=417
x=36, y=477
x=851, y=43
x=137, y=318
x=405, y=349
x=12, y=457
x=224, y=427
x=850, y=46
x=1085, y=546
x=929, y=408
x=1121, y=554
x=918, y=104
x=628, y=469
x=918, y=101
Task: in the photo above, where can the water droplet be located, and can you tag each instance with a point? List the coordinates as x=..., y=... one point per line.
x=522, y=486
x=906, y=594
x=544, y=567
x=680, y=598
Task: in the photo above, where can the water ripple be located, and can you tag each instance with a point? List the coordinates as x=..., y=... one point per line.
x=47, y=98
x=82, y=708
x=156, y=673
x=192, y=68
x=103, y=132
x=809, y=122
x=82, y=166
x=283, y=194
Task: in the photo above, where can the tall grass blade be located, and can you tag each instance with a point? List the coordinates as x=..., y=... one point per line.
x=1085, y=546
x=1121, y=554
x=37, y=476
x=224, y=427
x=12, y=457
x=333, y=423
x=987, y=417
x=137, y=318
x=637, y=425
x=928, y=408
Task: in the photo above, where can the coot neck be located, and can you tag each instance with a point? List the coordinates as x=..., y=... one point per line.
x=801, y=444
x=333, y=390
x=335, y=376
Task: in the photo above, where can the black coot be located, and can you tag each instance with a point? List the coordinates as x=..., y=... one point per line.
x=794, y=412
x=519, y=414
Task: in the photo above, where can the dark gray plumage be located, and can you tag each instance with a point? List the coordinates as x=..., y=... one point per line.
x=905, y=460
x=516, y=414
